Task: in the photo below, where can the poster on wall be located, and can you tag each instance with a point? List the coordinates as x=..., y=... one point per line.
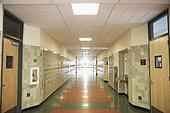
x=34, y=75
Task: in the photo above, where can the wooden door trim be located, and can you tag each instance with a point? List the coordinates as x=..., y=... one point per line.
x=150, y=40
x=2, y=72
x=16, y=19
x=19, y=96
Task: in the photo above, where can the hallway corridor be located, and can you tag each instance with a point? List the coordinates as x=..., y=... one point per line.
x=85, y=94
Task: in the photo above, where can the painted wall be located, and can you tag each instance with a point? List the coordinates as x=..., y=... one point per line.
x=139, y=35
x=31, y=35
x=136, y=41
x=121, y=43
x=49, y=43
x=102, y=65
x=52, y=45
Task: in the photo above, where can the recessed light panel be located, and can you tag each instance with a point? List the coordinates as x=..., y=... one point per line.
x=85, y=52
x=54, y=52
x=85, y=39
x=85, y=8
x=85, y=48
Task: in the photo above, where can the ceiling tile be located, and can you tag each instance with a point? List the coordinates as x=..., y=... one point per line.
x=26, y=2
x=146, y=1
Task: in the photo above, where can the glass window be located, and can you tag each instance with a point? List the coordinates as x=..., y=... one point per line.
x=160, y=26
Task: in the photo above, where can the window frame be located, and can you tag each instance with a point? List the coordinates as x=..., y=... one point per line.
x=150, y=25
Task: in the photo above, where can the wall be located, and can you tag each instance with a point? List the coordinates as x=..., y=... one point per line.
x=31, y=35
x=140, y=73
x=49, y=43
x=136, y=41
x=31, y=58
x=121, y=43
x=139, y=35
x=102, y=65
x=35, y=40
x=52, y=45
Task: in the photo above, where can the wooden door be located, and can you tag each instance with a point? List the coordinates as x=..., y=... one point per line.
x=159, y=71
x=10, y=76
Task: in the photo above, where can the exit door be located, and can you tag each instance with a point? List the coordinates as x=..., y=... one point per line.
x=10, y=76
x=159, y=72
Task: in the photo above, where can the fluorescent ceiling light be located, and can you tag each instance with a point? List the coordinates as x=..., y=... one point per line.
x=45, y=49
x=54, y=52
x=85, y=39
x=99, y=48
x=85, y=48
x=85, y=52
x=85, y=8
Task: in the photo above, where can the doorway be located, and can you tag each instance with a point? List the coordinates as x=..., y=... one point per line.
x=123, y=72
x=10, y=76
x=159, y=72
x=11, y=81
x=111, y=71
x=159, y=63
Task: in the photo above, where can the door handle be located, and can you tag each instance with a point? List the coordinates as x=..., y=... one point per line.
x=3, y=85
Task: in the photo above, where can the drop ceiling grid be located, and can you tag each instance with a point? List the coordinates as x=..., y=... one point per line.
x=146, y=1
x=58, y=20
x=68, y=29
x=26, y=2
x=104, y=13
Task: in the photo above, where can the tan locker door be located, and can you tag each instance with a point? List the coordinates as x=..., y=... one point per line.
x=10, y=75
x=159, y=76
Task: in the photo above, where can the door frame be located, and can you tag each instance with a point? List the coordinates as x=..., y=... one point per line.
x=20, y=52
x=151, y=38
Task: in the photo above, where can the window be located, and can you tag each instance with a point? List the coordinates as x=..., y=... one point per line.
x=13, y=27
x=158, y=61
x=159, y=25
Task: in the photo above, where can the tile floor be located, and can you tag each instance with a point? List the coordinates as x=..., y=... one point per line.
x=86, y=94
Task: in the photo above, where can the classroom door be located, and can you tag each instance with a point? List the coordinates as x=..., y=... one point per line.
x=159, y=72
x=10, y=76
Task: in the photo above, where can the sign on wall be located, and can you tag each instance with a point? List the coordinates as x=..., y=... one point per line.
x=34, y=75
x=142, y=61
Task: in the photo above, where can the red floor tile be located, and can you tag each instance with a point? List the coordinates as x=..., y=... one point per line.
x=84, y=111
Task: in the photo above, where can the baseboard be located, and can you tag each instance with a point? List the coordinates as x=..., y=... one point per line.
x=135, y=106
x=12, y=110
x=105, y=81
x=155, y=110
x=33, y=107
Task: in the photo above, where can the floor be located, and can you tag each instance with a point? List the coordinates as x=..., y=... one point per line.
x=86, y=94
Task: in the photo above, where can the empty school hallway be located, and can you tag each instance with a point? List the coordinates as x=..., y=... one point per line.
x=86, y=94
x=84, y=56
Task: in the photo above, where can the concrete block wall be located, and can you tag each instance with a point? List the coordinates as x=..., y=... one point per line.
x=33, y=56
x=136, y=41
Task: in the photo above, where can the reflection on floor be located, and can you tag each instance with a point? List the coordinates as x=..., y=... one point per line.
x=85, y=94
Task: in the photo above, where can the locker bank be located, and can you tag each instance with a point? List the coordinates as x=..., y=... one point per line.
x=84, y=56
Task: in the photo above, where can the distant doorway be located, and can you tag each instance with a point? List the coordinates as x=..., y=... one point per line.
x=123, y=72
